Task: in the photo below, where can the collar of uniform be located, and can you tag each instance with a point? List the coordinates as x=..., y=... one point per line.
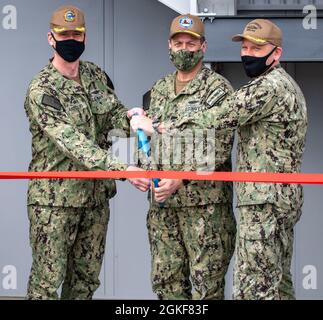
x=168, y=89
x=64, y=84
x=195, y=84
x=261, y=78
x=271, y=69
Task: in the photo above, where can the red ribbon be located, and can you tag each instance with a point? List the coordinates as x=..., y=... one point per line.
x=288, y=178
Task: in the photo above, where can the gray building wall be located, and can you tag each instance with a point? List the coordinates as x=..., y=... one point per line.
x=129, y=40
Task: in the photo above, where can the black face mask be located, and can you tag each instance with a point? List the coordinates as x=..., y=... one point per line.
x=70, y=50
x=255, y=66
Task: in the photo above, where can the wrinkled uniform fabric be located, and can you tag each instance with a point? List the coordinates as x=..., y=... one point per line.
x=193, y=234
x=71, y=127
x=271, y=117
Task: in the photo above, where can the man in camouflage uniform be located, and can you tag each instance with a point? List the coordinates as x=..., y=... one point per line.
x=71, y=109
x=192, y=233
x=271, y=117
x=272, y=121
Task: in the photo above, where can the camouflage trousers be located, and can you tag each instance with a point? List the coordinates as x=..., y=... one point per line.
x=194, y=243
x=67, y=247
x=264, y=252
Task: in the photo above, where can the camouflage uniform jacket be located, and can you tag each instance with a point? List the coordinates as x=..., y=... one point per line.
x=271, y=117
x=206, y=91
x=70, y=126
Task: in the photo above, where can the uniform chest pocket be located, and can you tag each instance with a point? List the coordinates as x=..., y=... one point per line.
x=102, y=102
x=78, y=111
x=194, y=107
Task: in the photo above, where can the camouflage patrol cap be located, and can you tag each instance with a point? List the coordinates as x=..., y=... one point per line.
x=66, y=18
x=187, y=23
x=261, y=32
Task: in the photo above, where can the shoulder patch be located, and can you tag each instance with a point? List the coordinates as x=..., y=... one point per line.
x=51, y=102
x=216, y=96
